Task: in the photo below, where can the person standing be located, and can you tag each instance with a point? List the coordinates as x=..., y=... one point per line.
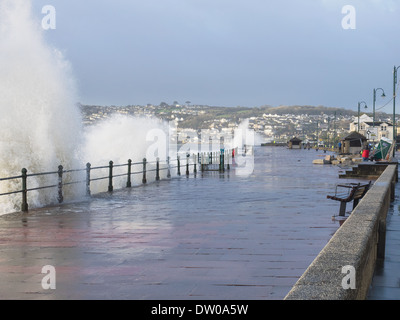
x=365, y=153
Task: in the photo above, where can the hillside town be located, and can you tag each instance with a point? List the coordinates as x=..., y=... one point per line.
x=312, y=125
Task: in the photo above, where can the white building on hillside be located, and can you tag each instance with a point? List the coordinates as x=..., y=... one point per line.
x=373, y=131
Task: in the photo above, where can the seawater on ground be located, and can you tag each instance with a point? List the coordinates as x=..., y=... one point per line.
x=213, y=236
x=386, y=281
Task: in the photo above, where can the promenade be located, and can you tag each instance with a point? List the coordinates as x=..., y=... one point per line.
x=386, y=281
x=212, y=237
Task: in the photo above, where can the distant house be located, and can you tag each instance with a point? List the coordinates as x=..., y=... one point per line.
x=353, y=143
x=372, y=131
x=294, y=143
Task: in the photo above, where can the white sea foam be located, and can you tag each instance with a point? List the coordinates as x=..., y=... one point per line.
x=41, y=125
x=40, y=122
x=121, y=138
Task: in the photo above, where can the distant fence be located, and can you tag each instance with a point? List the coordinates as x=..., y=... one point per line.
x=207, y=161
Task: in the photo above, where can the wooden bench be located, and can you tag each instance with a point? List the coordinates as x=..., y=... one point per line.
x=351, y=192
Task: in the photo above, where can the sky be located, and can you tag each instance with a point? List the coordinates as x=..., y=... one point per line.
x=228, y=52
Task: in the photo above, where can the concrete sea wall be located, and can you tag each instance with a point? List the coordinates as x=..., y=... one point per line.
x=343, y=270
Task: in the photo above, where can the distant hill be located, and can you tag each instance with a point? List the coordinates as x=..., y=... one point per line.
x=202, y=116
x=310, y=110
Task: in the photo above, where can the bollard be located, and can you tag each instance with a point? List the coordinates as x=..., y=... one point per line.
x=128, y=181
x=60, y=197
x=144, y=180
x=110, y=177
x=24, y=206
x=168, y=171
x=88, y=179
x=179, y=166
x=158, y=169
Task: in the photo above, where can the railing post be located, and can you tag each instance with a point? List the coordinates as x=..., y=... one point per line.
x=187, y=164
x=179, y=165
x=88, y=179
x=194, y=164
x=144, y=180
x=24, y=206
x=169, y=171
x=158, y=169
x=110, y=177
x=128, y=181
x=60, y=197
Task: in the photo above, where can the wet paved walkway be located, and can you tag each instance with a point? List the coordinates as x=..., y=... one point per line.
x=217, y=237
x=386, y=281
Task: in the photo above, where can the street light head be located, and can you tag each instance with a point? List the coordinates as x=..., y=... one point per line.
x=383, y=95
x=364, y=103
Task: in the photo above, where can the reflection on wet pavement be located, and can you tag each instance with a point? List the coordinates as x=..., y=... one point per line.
x=205, y=237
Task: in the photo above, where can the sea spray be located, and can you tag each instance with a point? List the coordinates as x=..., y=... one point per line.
x=40, y=122
x=123, y=137
x=41, y=125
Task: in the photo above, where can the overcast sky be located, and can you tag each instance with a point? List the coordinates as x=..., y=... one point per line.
x=228, y=52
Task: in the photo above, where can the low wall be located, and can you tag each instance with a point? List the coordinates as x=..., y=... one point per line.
x=357, y=244
x=366, y=170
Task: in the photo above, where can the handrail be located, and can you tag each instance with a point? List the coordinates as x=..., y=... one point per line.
x=202, y=159
x=11, y=178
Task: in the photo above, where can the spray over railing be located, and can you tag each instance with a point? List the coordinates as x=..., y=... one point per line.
x=207, y=161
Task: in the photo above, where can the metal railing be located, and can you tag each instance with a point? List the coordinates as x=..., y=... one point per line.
x=222, y=159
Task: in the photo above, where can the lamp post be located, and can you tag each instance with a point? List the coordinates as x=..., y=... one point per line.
x=374, y=100
x=334, y=130
x=359, y=105
x=329, y=127
x=394, y=107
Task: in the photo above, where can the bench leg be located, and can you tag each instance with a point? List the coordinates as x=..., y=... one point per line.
x=342, y=210
x=355, y=203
